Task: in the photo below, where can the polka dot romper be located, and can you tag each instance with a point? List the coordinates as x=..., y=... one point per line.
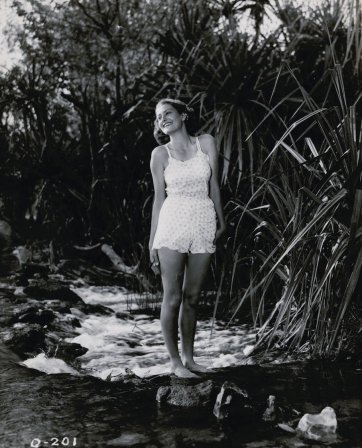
x=187, y=219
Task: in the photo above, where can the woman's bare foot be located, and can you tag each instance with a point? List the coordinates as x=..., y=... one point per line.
x=182, y=372
x=198, y=368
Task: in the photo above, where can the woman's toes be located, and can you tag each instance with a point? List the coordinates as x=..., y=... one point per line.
x=198, y=368
x=182, y=372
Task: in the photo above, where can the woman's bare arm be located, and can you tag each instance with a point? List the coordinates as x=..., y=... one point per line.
x=157, y=169
x=209, y=146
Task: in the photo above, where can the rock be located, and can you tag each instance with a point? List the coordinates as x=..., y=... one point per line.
x=129, y=377
x=26, y=340
x=23, y=254
x=321, y=427
x=232, y=402
x=96, y=309
x=286, y=427
x=35, y=270
x=63, y=295
x=5, y=234
x=34, y=315
x=67, y=351
x=45, y=291
x=197, y=395
x=269, y=414
x=124, y=315
x=74, y=322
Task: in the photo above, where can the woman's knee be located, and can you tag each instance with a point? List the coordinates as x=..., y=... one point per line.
x=191, y=298
x=172, y=298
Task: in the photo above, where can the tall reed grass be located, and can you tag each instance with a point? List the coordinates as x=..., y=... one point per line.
x=307, y=237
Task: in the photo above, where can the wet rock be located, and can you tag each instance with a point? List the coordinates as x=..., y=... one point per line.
x=8, y=262
x=270, y=413
x=26, y=340
x=129, y=377
x=124, y=315
x=23, y=254
x=67, y=351
x=201, y=394
x=96, y=309
x=34, y=315
x=321, y=427
x=74, y=322
x=21, y=279
x=63, y=297
x=45, y=291
x=232, y=401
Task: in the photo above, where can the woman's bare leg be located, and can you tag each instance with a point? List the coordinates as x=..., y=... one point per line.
x=172, y=265
x=197, y=266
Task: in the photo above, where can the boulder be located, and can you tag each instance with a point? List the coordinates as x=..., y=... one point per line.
x=198, y=395
x=26, y=340
x=232, y=401
x=33, y=315
x=63, y=296
x=321, y=427
x=48, y=291
x=67, y=351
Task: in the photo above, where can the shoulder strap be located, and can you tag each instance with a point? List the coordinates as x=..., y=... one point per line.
x=198, y=144
x=168, y=150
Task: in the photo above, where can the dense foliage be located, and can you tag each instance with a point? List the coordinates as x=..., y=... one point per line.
x=283, y=103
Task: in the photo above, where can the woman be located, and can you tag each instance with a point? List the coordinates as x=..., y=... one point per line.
x=183, y=226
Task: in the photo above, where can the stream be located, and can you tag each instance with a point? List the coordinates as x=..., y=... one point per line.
x=46, y=401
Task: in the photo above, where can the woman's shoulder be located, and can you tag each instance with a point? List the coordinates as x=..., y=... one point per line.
x=208, y=144
x=159, y=155
x=207, y=138
x=159, y=151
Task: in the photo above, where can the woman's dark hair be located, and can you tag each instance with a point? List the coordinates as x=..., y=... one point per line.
x=182, y=108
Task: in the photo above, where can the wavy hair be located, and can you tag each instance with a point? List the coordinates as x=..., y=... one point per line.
x=182, y=108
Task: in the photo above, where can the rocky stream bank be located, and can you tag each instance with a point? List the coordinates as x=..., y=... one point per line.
x=251, y=405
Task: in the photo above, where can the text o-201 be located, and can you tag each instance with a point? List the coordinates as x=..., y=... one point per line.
x=54, y=441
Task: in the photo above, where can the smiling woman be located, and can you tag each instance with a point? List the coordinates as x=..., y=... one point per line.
x=185, y=212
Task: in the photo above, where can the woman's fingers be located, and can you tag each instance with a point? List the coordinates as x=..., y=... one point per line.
x=155, y=262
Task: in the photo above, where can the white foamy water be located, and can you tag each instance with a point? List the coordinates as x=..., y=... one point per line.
x=49, y=365
x=135, y=342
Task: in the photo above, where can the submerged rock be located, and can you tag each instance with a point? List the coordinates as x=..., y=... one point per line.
x=321, y=427
x=232, y=401
x=201, y=394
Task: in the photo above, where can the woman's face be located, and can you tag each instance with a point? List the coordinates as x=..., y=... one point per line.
x=168, y=118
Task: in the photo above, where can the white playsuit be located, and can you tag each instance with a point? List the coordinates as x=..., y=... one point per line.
x=187, y=219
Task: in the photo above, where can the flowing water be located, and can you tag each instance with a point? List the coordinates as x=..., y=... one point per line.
x=134, y=341
x=45, y=402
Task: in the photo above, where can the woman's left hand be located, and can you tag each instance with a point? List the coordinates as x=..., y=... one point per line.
x=220, y=231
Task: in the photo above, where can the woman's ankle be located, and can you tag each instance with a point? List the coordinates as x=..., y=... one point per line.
x=175, y=363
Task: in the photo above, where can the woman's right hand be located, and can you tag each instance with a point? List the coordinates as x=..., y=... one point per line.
x=155, y=262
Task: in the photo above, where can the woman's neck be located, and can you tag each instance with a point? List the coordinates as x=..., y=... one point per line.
x=180, y=141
